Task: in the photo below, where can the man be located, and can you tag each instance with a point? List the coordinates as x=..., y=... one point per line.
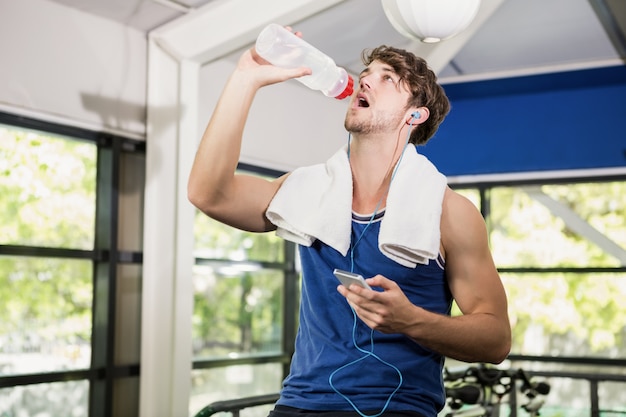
x=379, y=209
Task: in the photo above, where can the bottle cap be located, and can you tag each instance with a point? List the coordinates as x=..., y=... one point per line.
x=347, y=92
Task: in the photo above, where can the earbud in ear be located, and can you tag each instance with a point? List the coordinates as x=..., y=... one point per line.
x=416, y=115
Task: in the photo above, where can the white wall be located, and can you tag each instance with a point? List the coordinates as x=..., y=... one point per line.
x=62, y=64
x=65, y=65
x=289, y=125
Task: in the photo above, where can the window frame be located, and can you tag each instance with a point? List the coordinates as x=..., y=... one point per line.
x=106, y=256
x=291, y=296
x=600, y=365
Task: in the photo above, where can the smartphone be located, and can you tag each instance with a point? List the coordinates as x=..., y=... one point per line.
x=347, y=278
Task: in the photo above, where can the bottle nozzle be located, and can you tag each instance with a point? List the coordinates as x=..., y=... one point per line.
x=347, y=92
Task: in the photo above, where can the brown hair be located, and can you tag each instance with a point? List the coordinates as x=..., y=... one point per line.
x=421, y=81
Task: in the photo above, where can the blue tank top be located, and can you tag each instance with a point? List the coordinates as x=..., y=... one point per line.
x=327, y=334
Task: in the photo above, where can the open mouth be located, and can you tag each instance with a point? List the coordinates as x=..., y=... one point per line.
x=362, y=102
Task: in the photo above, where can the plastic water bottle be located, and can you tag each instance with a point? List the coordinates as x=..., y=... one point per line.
x=282, y=48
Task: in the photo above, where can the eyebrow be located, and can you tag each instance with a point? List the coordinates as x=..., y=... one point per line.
x=385, y=68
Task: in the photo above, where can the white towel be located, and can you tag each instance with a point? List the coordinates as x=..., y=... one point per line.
x=316, y=203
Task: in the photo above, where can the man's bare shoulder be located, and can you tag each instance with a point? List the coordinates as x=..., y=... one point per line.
x=457, y=204
x=461, y=221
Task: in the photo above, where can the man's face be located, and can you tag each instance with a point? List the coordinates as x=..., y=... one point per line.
x=379, y=103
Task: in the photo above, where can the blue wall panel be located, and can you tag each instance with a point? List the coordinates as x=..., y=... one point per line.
x=534, y=124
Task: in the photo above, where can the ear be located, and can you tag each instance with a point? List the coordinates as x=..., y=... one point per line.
x=417, y=116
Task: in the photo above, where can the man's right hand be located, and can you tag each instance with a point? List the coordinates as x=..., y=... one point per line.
x=263, y=72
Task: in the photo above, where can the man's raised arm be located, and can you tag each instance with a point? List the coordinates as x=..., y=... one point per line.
x=213, y=187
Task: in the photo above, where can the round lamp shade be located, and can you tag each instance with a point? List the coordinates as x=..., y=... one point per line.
x=430, y=20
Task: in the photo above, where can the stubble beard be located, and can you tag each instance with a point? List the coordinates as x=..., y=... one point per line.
x=377, y=124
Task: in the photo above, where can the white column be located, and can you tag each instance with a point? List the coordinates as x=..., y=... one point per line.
x=160, y=349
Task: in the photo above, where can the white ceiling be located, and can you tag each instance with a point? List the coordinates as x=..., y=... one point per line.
x=516, y=37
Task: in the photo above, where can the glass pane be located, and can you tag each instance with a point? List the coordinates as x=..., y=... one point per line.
x=567, y=398
x=237, y=381
x=47, y=189
x=566, y=392
x=567, y=314
x=573, y=225
x=611, y=397
x=45, y=319
x=571, y=395
x=237, y=311
x=59, y=399
x=215, y=240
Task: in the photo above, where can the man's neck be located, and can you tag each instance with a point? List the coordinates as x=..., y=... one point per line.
x=372, y=163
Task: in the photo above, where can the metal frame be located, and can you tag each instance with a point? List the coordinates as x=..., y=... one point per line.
x=106, y=257
x=291, y=296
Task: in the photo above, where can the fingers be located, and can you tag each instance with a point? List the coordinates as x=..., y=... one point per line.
x=376, y=281
x=385, y=283
x=379, y=310
x=264, y=72
x=297, y=33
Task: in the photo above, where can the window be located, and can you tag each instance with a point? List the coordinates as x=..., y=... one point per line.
x=245, y=307
x=64, y=279
x=561, y=252
x=561, y=248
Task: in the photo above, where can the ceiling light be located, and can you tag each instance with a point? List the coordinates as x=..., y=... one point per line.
x=430, y=20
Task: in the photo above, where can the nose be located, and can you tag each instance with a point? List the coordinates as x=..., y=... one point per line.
x=363, y=82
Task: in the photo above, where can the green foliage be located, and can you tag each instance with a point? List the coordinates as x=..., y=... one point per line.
x=580, y=307
x=216, y=240
x=47, y=191
x=585, y=309
x=237, y=309
x=526, y=233
x=239, y=313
